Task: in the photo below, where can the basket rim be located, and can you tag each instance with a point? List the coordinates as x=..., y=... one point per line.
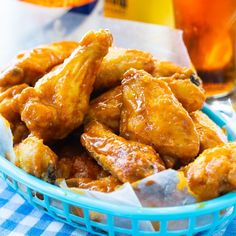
x=79, y=200
x=98, y=205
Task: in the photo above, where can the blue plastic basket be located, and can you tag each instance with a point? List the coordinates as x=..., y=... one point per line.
x=59, y=204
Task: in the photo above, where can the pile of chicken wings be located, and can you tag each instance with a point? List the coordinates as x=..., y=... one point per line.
x=99, y=116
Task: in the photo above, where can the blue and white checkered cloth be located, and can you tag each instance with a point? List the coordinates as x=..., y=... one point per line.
x=18, y=217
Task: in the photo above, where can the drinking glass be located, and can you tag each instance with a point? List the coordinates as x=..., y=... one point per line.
x=209, y=35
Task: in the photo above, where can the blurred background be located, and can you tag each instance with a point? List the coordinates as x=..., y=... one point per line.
x=209, y=35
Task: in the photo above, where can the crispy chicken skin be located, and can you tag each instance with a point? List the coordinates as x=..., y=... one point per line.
x=107, y=108
x=117, y=61
x=128, y=161
x=107, y=184
x=58, y=102
x=151, y=114
x=36, y=158
x=29, y=66
x=210, y=134
x=213, y=173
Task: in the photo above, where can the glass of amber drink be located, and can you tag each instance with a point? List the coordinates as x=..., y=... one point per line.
x=209, y=34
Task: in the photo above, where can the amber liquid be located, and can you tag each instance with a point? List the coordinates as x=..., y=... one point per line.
x=209, y=35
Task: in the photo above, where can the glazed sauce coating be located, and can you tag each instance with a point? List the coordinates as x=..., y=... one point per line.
x=107, y=184
x=128, y=161
x=152, y=115
x=106, y=109
x=213, y=173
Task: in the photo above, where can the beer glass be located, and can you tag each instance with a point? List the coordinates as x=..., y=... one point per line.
x=209, y=35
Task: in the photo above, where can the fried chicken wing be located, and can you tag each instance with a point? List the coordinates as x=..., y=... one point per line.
x=74, y=162
x=210, y=134
x=106, y=109
x=128, y=161
x=36, y=158
x=29, y=66
x=7, y=104
x=58, y=102
x=151, y=114
x=7, y=109
x=107, y=184
x=166, y=69
x=119, y=60
x=213, y=173
x=184, y=83
x=190, y=95
x=80, y=166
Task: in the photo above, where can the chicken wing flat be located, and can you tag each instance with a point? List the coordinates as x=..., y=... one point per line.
x=117, y=62
x=107, y=184
x=128, y=161
x=106, y=109
x=151, y=114
x=210, y=134
x=213, y=173
x=58, y=102
x=29, y=66
x=36, y=158
x=184, y=83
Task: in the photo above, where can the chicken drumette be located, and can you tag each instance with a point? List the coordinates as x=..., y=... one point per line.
x=58, y=102
x=34, y=157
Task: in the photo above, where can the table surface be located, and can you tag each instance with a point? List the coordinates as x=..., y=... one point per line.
x=23, y=26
